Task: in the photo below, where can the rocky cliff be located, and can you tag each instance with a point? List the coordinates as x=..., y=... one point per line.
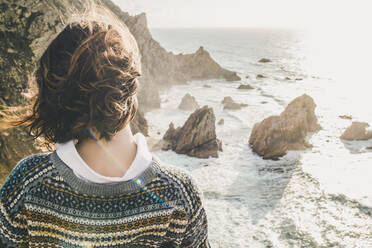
x=27, y=27
x=161, y=68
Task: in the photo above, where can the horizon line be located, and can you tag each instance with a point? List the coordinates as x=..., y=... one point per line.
x=227, y=27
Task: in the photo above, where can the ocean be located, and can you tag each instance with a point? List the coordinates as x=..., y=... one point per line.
x=319, y=197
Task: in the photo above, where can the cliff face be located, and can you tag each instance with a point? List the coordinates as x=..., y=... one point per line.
x=27, y=27
x=161, y=68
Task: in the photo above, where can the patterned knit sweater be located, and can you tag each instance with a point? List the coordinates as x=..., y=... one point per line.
x=44, y=204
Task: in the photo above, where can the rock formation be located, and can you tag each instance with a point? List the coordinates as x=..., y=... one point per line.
x=275, y=135
x=197, y=137
x=346, y=117
x=264, y=60
x=259, y=76
x=245, y=87
x=27, y=27
x=229, y=103
x=160, y=68
x=357, y=131
x=188, y=103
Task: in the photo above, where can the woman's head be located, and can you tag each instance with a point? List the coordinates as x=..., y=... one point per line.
x=87, y=77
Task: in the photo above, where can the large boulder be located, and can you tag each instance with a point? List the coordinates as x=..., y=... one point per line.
x=275, y=135
x=197, y=137
x=229, y=103
x=188, y=102
x=357, y=131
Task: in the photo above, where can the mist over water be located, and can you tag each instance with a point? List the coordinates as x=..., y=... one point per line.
x=320, y=197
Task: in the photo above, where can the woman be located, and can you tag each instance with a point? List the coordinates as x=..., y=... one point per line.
x=101, y=187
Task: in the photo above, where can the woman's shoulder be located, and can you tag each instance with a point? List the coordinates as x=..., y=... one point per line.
x=175, y=174
x=185, y=182
x=24, y=171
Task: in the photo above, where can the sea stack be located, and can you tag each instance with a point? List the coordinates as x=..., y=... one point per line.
x=357, y=131
x=197, y=137
x=275, y=135
x=188, y=103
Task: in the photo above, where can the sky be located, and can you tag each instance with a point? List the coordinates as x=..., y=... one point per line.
x=307, y=14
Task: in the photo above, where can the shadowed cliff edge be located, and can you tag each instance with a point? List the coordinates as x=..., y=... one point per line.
x=26, y=29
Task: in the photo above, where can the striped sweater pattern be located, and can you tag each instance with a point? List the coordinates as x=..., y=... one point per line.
x=44, y=204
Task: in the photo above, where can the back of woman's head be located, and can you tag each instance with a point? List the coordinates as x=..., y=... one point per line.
x=87, y=77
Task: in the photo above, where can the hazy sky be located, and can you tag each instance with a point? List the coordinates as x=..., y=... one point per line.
x=250, y=13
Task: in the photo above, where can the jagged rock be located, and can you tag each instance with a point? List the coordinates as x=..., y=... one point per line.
x=357, y=131
x=221, y=122
x=197, y=137
x=229, y=103
x=27, y=27
x=275, y=135
x=188, y=103
x=346, y=117
x=264, y=60
x=260, y=76
x=245, y=87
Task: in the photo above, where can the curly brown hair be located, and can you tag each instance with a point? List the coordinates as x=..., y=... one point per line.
x=86, y=78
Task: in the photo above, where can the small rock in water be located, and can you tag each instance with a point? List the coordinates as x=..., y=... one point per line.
x=245, y=87
x=264, y=60
x=247, y=76
x=260, y=76
x=221, y=122
x=207, y=86
x=229, y=103
x=298, y=79
x=263, y=102
x=188, y=103
x=346, y=117
x=287, y=78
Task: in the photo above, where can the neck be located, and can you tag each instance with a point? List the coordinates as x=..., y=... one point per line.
x=106, y=157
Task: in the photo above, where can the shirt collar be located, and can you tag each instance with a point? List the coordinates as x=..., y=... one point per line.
x=69, y=155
